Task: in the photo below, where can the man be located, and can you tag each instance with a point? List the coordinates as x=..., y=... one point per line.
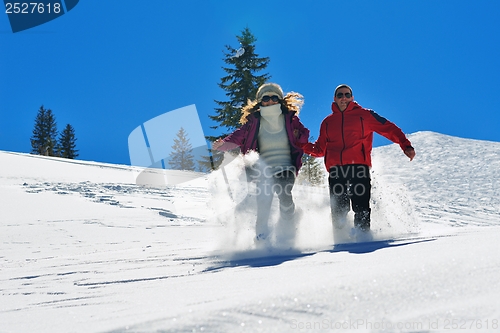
x=345, y=141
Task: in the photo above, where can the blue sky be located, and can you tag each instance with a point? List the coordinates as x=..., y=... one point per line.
x=106, y=67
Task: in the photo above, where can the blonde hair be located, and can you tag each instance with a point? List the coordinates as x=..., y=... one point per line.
x=292, y=102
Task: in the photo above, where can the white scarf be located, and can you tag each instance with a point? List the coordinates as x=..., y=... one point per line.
x=271, y=115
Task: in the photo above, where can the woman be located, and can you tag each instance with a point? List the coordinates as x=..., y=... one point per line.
x=271, y=127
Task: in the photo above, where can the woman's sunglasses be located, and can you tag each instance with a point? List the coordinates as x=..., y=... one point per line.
x=270, y=98
x=347, y=95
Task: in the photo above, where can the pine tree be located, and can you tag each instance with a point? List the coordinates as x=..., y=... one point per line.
x=205, y=164
x=211, y=162
x=66, y=144
x=312, y=172
x=240, y=84
x=44, y=136
x=181, y=158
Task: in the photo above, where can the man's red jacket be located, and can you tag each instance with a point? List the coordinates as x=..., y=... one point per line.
x=346, y=137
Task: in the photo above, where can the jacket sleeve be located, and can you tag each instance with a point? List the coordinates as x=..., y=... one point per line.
x=235, y=139
x=388, y=129
x=300, y=133
x=318, y=148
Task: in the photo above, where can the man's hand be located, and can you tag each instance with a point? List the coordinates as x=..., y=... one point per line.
x=410, y=152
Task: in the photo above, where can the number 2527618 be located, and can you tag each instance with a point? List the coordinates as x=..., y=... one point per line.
x=32, y=8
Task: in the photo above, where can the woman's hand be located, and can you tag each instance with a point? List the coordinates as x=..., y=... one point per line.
x=217, y=144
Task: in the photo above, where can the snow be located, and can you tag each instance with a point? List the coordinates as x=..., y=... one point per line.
x=85, y=249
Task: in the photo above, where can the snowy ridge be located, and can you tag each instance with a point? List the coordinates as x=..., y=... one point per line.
x=85, y=249
x=452, y=181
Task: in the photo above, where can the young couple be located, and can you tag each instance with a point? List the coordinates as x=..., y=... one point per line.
x=270, y=126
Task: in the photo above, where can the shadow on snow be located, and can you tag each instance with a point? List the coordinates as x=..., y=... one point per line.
x=371, y=246
x=258, y=258
x=274, y=257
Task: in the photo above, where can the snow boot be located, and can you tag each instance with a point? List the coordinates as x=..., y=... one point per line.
x=362, y=220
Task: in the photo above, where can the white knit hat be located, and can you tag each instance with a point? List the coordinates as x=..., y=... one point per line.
x=269, y=89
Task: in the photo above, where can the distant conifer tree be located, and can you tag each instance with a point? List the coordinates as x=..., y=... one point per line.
x=181, y=157
x=205, y=163
x=211, y=162
x=67, y=143
x=312, y=171
x=44, y=138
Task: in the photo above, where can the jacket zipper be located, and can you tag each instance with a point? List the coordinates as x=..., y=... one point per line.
x=362, y=136
x=343, y=141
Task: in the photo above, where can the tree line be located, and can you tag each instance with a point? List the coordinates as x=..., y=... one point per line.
x=47, y=141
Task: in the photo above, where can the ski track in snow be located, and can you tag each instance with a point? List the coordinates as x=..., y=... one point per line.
x=96, y=266
x=120, y=195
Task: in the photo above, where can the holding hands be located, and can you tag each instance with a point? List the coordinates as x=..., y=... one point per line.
x=217, y=144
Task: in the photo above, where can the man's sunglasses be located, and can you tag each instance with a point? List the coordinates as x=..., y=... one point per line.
x=347, y=95
x=269, y=98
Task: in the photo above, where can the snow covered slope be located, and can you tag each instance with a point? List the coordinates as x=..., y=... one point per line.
x=452, y=181
x=85, y=249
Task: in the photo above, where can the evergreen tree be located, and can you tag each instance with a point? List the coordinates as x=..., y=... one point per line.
x=211, y=162
x=240, y=84
x=312, y=171
x=181, y=158
x=66, y=145
x=206, y=162
x=44, y=136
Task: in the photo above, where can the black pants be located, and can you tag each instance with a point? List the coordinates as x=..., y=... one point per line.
x=350, y=185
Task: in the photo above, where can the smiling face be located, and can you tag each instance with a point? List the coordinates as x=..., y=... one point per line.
x=343, y=96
